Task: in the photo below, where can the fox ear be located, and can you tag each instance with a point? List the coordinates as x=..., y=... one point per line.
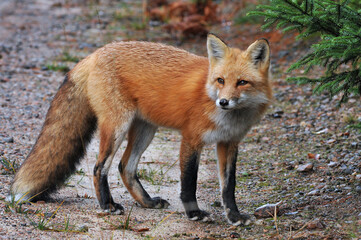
x=216, y=48
x=259, y=54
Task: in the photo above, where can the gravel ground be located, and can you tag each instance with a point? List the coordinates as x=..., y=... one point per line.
x=302, y=154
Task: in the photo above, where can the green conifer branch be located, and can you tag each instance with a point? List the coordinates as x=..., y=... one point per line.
x=339, y=48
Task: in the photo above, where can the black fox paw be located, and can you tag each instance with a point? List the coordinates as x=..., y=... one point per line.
x=236, y=218
x=114, y=209
x=158, y=202
x=199, y=215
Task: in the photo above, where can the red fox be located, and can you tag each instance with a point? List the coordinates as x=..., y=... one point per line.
x=134, y=87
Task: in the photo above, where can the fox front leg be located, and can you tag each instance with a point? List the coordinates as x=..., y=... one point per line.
x=189, y=161
x=227, y=158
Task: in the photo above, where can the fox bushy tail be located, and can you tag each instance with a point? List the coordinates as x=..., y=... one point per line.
x=68, y=128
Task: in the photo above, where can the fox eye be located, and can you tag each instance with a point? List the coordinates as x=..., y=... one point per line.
x=242, y=82
x=220, y=80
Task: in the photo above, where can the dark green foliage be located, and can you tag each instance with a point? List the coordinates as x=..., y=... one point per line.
x=338, y=24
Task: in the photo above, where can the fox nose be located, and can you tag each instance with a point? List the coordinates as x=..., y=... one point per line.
x=223, y=102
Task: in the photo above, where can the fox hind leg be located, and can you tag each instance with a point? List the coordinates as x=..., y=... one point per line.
x=140, y=135
x=110, y=139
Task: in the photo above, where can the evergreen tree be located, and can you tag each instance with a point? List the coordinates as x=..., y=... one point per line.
x=339, y=48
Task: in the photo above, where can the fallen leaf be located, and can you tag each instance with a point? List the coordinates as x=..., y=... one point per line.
x=140, y=230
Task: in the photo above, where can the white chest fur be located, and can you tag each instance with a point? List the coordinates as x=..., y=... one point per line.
x=231, y=125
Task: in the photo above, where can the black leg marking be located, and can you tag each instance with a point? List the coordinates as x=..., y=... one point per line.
x=107, y=202
x=229, y=202
x=188, y=190
x=230, y=185
x=189, y=179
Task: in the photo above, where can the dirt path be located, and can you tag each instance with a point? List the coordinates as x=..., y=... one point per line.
x=39, y=36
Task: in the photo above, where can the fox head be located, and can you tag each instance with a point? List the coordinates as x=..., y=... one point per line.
x=238, y=79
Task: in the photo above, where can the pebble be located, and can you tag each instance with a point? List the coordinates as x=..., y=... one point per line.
x=303, y=124
x=83, y=228
x=346, y=169
x=291, y=213
x=267, y=210
x=234, y=235
x=315, y=224
x=305, y=167
x=8, y=139
x=313, y=193
x=332, y=164
x=358, y=189
x=259, y=222
x=277, y=114
x=355, y=145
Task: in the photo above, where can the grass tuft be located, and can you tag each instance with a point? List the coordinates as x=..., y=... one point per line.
x=8, y=167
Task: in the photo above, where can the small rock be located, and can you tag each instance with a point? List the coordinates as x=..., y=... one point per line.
x=305, y=167
x=358, y=176
x=8, y=139
x=315, y=224
x=291, y=213
x=358, y=189
x=276, y=115
x=234, y=235
x=232, y=228
x=259, y=222
x=355, y=145
x=267, y=211
x=217, y=204
x=332, y=164
x=83, y=228
x=330, y=141
x=29, y=66
x=313, y=193
x=346, y=169
x=303, y=124
x=321, y=131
